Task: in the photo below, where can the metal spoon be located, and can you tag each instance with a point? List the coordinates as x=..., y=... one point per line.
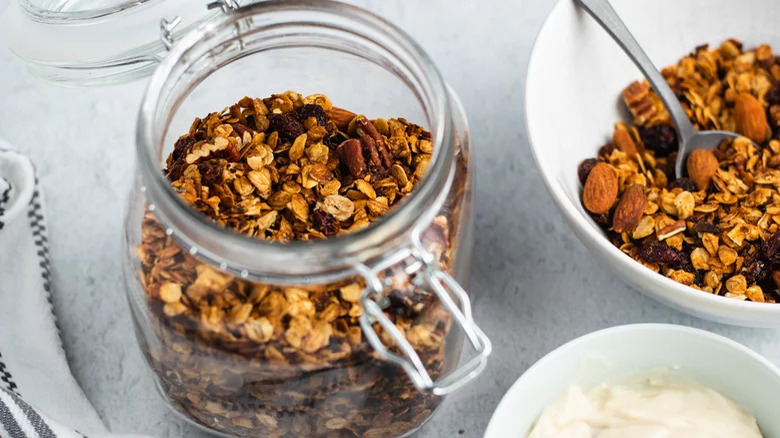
x=689, y=138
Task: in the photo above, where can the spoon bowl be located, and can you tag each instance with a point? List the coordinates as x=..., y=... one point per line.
x=689, y=138
x=699, y=140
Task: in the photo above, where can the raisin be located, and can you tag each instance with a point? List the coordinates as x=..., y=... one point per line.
x=405, y=303
x=658, y=252
x=603, y=218
x=771, y=248
x=705, y=227
x=333, y=140
x=286, y=125
x=182, y=144
x=312, y=110
x=754, y=270
x=773, y=95
x=211, y=171
x=606, y=150
x=661, y=139
x=683, y=263
x=325, y=223
x=585, y=167
x=686, y=184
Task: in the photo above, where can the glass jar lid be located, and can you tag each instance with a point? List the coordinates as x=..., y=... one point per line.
x=93, y=42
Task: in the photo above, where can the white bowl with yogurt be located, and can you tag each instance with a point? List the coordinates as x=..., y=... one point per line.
x=620, y=354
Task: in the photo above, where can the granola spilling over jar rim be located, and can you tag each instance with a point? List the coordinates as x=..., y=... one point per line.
x=716, y=229
x=252, y=359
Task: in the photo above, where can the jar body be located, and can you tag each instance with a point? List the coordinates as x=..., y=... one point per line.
x=248, y=358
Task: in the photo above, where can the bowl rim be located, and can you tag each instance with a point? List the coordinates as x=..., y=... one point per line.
x=631, y=328
x=586, y=232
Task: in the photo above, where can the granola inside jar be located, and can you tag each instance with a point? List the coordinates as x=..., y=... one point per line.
x=294, y=260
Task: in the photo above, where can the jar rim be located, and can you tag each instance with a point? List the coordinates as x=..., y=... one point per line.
x=297, y=261
x=60, y=15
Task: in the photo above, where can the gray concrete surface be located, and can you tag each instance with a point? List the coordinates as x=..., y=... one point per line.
x=534, y=285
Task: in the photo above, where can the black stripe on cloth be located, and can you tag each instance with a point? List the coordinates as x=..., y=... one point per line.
x=9, y=422
x=5, y=377
x=4, y=200
x=40, y=426
x=35, y=216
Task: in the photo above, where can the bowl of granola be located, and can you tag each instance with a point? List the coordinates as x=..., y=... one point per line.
x=708, y=242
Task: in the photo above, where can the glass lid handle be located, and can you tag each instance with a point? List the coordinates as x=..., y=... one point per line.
x=423, y=268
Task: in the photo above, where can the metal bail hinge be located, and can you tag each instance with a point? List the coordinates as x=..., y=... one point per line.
x=166, y=31
x=225, y=5
x=420, y=264
x=167, y=27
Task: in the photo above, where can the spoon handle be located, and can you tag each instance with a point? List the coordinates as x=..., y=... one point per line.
x=606, y=16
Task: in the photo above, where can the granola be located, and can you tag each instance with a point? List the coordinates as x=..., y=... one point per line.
x=252, y=359
x=717, y=229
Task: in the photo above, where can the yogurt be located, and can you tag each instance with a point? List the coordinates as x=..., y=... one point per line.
x=647, y=408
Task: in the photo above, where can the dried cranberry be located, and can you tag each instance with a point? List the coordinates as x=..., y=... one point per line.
x=312, y=110
x=658, y=252
x=773, y=95
x=211, y=171
x=661, y=139
x=286, y=125
x=606, y=150
x=686, y=184
x=585, y=167
x=325, y=223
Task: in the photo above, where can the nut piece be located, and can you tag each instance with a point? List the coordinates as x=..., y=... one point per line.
x=341, y=117
x=623, y=141
x=750, y=118
x=351, y=154
x=637, y=99
x=601, y=189
x=702, y=166
x=629, y=210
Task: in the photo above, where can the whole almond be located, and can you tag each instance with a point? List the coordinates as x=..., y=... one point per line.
x=601, y=189
x=622, y=140
x=750, y=118
x=629, y=209
x=702, y=166
x=341, y=117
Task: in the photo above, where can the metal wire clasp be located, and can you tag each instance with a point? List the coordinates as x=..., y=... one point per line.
x=420, y=264
x=167, y=26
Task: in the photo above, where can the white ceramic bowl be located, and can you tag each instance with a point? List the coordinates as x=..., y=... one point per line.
x=575, y=76
x=711, y=360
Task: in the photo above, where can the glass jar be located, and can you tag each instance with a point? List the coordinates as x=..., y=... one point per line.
x=358, y=335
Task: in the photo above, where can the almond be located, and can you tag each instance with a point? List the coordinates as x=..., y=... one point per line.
x=341, y=117
x=750, y=118
x=601, y=189
x=629, y=210
x=702, y=166
x=622, y=140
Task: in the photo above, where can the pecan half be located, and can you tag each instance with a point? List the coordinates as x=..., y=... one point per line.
x=365, y=127
x=351, y=154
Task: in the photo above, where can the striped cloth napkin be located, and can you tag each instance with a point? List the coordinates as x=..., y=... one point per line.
x=39, y=398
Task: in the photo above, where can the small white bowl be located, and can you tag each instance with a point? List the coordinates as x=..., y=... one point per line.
x=603, y=356
x=575, y=76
